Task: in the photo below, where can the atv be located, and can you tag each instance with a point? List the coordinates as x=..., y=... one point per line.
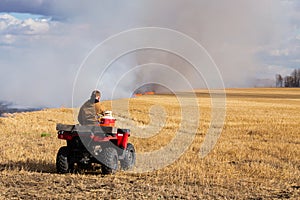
x=94, y=145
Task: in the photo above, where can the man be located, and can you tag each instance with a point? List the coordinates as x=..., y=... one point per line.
x=91, y=109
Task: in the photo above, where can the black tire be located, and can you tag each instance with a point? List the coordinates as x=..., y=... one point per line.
x=62, y=162
x=109, y=158
x=129, y=159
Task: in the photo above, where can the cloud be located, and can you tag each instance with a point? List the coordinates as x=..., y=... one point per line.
x=10, y=25
x=7, y=39
x=279, y=52
x=285, y=52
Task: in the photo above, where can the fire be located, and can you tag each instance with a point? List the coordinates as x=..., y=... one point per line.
x=146, y=93
x=149, y=93
x=138, y=94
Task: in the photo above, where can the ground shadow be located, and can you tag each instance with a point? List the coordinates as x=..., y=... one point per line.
x=29, y=165
x=42, y=167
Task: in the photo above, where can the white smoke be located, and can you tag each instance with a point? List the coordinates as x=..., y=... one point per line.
x=39, y=69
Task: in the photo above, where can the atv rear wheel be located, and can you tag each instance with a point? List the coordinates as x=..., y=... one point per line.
x=129, y=159
x=109, y=160
x=62, y=162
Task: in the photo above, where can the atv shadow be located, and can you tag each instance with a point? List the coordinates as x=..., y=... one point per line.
x=41, y=167
x=29, y=165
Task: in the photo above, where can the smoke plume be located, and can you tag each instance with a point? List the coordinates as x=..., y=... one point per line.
x=39, y=69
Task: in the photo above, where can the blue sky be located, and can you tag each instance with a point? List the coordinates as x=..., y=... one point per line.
x=43, y=38
x=24, y=16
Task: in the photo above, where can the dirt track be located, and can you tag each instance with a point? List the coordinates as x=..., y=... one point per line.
x=256, y=157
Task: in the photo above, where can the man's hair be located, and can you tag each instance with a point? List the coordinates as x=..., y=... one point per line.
x=95, y=93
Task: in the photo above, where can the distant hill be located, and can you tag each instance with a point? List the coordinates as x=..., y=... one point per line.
x=7, y=107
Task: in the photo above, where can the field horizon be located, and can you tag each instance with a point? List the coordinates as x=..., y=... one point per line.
x=256, y=156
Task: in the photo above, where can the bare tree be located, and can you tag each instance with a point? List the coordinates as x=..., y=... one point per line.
x=279, y=80
x=298, y=77
x=290, y=81
x=294, y=78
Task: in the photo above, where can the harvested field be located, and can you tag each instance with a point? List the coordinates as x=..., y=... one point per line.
x=256, y=156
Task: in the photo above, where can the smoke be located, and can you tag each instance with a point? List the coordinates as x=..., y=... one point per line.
x=39, y=69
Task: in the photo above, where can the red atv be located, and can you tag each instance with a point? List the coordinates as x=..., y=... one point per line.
x=89, y=145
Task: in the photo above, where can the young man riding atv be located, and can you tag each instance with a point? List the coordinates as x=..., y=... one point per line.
x=91, y=109
x=94, y=141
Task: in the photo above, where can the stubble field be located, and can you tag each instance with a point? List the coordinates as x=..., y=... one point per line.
x=256, y=156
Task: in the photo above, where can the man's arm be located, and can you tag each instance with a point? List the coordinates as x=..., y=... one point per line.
x=100, y=109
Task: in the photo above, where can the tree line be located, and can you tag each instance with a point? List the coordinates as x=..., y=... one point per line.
x=292, y=80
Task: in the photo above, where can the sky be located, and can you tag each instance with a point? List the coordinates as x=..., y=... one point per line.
x=43, y=43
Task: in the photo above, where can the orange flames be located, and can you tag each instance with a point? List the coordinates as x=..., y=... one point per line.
x=149, y=93
x=146, y=93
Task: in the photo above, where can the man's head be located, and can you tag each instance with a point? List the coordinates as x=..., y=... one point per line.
x=95, y=96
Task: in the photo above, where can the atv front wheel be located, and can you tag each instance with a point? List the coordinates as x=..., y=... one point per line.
x=109, y=160
x=62, y=163
x=129, y=159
